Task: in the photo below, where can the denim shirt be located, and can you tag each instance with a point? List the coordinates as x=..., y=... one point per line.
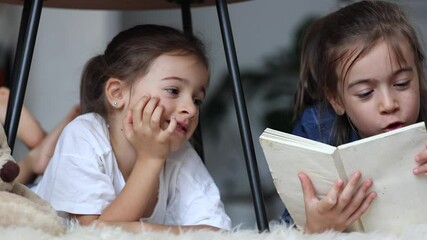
x=317, y=126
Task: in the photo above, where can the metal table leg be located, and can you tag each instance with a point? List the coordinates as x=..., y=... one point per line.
x=24, y=53
x=242, y=116
x=186, y=17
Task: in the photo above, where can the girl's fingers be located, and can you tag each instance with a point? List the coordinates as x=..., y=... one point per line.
x=331, y=199
x=137, y=110
x=172, y=125
x=421, y=159
x=166, y=134
x=421, y=170
x=155, y=118
x=349, y=190
x=128, y=124
x=148, y=110
x=358, y=198
x=363, y=207
x=307, y=189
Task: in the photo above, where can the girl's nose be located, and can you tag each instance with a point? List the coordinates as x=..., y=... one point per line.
x=189, y=107
x=389, y=103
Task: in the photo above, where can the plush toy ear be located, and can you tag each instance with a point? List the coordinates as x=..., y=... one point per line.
x=9, y=171
x=114, y=90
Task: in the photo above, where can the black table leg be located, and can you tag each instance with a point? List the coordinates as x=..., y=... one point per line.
x=242, y=116
x=24, y=53
x=186, y=17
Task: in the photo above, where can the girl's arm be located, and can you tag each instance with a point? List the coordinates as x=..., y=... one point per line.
x=151, y=143
x=133, y=200
x=340, y=208
x=30, y=131
x=141, y=188
x=137, y=227
x=421, y=160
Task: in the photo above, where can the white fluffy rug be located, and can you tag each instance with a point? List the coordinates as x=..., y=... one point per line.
x=277, y=232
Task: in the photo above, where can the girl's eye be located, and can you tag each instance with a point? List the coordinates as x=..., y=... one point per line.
x=365, y=94
x=173, y=91
x=198, y=102
x=402, y=85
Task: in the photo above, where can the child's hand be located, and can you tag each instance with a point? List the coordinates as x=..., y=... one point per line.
x=421, y=159
x=340, y=208
x=143, y=130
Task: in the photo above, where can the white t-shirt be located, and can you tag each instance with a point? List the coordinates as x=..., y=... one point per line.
x=83, y=178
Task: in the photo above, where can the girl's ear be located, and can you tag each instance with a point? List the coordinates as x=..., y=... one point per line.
x=114, y=91
x=336, y=103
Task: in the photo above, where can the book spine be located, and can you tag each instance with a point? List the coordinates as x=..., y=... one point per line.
x=339, y=166
x=356, y=226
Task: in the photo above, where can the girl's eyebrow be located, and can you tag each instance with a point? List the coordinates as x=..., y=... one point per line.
x=203, y=88
x=359, y=81
x=404, y=69
x=366, y=80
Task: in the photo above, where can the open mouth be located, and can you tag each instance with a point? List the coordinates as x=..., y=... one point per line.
x=180, y=127
x=394, y=126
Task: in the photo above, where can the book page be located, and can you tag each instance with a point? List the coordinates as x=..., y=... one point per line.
x=287, y=155
x=389, y=159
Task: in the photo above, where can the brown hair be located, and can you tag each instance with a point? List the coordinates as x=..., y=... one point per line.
x=308, y=92
x=129, y=56
x=350, y=33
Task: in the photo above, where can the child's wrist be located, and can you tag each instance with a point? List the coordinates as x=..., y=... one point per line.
x=150, y=161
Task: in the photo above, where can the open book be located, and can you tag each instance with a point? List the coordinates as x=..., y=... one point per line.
x=387, y=158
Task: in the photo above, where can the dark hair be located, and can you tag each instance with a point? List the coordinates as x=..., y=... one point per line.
x=129, y=56
x=307, y=92
x=346, y=36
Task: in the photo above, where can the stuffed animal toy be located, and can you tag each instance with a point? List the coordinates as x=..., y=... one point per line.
x=19, y=205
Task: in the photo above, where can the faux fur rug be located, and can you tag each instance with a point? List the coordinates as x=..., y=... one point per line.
x=277, y=232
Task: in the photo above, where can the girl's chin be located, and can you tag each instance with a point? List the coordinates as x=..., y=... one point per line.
x=176, y=145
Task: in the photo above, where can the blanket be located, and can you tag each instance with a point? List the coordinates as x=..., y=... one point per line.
x=277, y=232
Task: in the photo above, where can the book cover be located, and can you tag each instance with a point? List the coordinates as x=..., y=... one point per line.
x=387, y=158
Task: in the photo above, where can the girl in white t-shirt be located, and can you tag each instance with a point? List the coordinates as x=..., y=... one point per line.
x=126, y=160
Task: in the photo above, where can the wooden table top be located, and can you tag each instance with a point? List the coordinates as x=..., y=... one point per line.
x=118, y=4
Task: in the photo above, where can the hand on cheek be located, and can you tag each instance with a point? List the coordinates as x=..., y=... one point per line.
x=421, y=160
x=142, y=126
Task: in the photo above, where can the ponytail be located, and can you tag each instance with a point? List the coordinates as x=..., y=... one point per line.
x=92, y=86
